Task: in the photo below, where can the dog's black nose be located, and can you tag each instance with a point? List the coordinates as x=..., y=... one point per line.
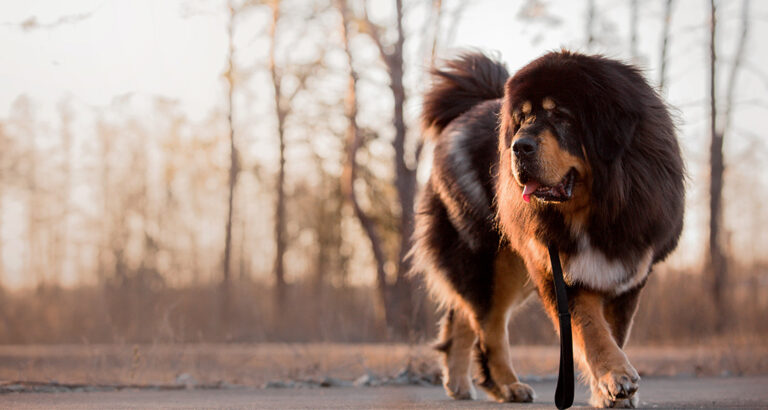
x=524, y=147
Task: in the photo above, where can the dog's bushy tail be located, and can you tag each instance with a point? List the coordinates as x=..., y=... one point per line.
x=459, y=85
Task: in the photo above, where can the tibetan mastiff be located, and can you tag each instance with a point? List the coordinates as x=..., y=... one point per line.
x=574, y=150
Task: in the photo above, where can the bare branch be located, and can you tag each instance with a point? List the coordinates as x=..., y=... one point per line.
x=665, y=37
x=373, y=31
x=31, y=23
x=437, y=6
x=354, y=140
x=633, y=29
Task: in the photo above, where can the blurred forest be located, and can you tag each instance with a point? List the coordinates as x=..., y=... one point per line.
x=284, y=214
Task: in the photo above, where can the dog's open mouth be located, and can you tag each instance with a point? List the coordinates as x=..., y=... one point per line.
x=561, y=192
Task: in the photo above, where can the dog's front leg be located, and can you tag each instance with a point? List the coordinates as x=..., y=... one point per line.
x=612, y=378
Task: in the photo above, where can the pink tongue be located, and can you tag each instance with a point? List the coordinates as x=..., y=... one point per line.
x=528, y=190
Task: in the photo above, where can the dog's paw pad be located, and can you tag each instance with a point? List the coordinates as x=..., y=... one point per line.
x=517, y=393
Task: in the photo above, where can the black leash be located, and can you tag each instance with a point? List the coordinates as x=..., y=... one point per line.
x=565, y=379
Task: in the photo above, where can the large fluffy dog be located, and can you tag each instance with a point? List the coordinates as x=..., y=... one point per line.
x=573, y=149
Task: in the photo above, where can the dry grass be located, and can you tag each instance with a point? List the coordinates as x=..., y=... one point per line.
x=674, y=309
x=143, y=332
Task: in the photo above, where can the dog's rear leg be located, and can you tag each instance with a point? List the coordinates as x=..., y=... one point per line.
x=456, y=341
x=497, y=376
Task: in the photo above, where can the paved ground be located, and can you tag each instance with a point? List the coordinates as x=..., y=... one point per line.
x=744, y=392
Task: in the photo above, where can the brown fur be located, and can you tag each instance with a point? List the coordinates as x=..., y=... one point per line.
x=580, y=115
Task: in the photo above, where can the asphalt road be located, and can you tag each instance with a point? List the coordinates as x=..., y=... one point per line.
x=678, y=392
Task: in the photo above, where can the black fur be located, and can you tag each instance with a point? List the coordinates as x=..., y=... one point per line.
x=464, y=82
x=622, y=127
x=484, y=370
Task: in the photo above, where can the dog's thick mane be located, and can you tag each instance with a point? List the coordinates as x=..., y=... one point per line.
x=629, y=142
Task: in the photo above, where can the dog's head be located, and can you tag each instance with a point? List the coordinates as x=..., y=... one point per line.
x=547, y=160
x=566, y=121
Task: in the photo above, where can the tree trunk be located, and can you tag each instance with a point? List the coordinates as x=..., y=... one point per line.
x=353, y=142
x=401, y=306
x=717, y=264
x=280, y=111
x=402, y=299
x=62, y=237
x=666, y=25
x=590, y=24
x=633, y=22
x=225, y=294
x=736, y=67
x=719, y=261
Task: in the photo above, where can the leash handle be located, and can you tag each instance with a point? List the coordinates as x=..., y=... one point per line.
x=565, y=378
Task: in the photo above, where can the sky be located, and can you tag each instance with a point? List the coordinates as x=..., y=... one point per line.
x=94, y=51
x=109, y=48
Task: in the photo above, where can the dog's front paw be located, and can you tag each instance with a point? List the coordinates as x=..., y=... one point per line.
x=517, y=393
x=616, y=388
x=619, y=384
x=459, y=388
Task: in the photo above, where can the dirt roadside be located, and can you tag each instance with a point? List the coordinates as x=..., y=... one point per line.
x=256, y=365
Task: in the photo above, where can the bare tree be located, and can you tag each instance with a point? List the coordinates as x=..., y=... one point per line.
x=402, y=303
x=666, y=25
x=284, y=99
x=736, y=67
x=633, y=22
x=25, y=124
x=234, y=168
x=717, y=266
x=349, y=174
x=61, y=244
x=717, y=263
x=281, y=111
x=590, y=22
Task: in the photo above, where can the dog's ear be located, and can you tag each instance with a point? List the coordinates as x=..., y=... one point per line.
x=608, y=128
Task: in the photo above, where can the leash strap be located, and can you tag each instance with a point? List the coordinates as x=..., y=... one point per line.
x=565, y=379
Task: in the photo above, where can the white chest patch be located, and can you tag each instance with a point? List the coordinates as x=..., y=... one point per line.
x=593, y=269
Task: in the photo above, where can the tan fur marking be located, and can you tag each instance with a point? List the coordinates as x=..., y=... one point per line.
x=592, y=335
x=511, y=289
x=555, y=161
x=548, y=104
x=527, y=107
x=457, y=378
